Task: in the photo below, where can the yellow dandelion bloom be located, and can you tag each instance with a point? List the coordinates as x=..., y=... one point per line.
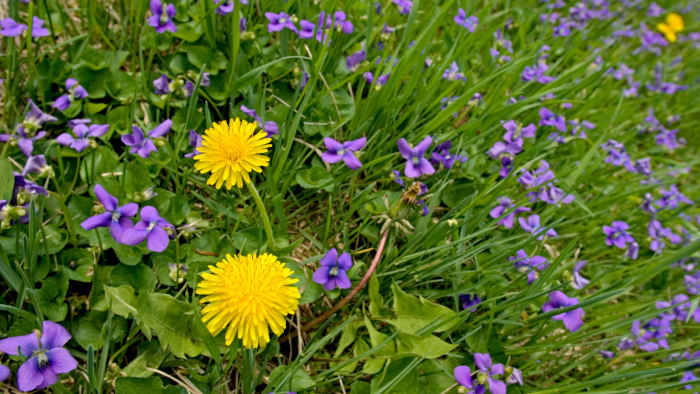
x=674, y=24
x=249, y=294
x=230, y=151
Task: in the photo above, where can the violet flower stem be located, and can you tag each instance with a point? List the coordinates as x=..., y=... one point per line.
x=263, y=216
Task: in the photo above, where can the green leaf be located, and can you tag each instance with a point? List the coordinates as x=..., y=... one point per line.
x=315, y=178
x=172, y=322
x=121, y=300
x=152, y=385
x=426, y=346
x=414, y=314
x=7, y=180
x=299, y=381
x=152, y=357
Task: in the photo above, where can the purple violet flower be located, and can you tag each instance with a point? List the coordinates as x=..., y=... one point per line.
x=75, y=91
x=657, y=232
x=404, y=6
x=470, y=301
x=441, y=154
x=162, y=84
x=38, y=29
x=162, y=20
x=277, y=22
x=680, y=311
x=416, y=164
x=452, y=73
x=536, y=73
x=337, y=151
x=469, y=23
x=487, y=371
x=151, y=227
x=196, y=142
x=115, y=217
x=29, y=130
x=529, y=265
x=10, y=28
x=672, y=197
x=332, y=272
x=356, y=58
x=143, y=145
x=227, y=6
x=504, y=204
x=269, y=127
x=47, y=358
x=579, y=282
x=82, y=133
x=572, y=319
x=532, y=226
x=617, y=234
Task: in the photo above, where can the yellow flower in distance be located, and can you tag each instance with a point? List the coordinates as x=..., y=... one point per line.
x=230, y=151
x=249, y=294
x=674, y=24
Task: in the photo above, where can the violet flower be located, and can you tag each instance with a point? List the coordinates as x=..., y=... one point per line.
x=47, y=358
x=469, y=23
x=692, y=283
x=269, y=127
x=515, y=131
x=337, y=151
x=579, y=282
x=548, y=118
x=196, y=142
x=4, y=373
x=227, y=6
x=672, y=197
x=162, y=84
x=10, y=27
x=162, y=19
x=529, y=265
x=441, y=154
x=649, y=337
x=143, y=145
x=82, y=134
x=332, y=272
x=397, y=177
x=36, y=164
x=470, y=301
x=29, y=130
x=75, y=91
x=657, y=232
x=404, y=6
x=572, y=319
x=340, y=21
x=151, y=227
x=116, y=217
x=505, y=204
x=617, y=234
x=277, y=22
x=352, y=61
x=38, y=29
x=416, y=164
x=532, y=226
x=680, y=311
x=536, y=73
x=452, y=73
x=488, y=370
x=307, y=29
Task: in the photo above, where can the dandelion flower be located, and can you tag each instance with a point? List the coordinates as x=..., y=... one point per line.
x=230, y=151
x=674, y=24
x=249, y=294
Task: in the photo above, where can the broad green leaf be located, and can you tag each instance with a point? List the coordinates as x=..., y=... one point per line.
x=121, y=300
x=414, y=314
x=152, y=385
x=7, y=180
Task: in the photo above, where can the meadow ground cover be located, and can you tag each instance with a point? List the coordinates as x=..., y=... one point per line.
x=349, y=196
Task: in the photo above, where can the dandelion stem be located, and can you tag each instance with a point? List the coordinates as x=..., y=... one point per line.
x=263, y=216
